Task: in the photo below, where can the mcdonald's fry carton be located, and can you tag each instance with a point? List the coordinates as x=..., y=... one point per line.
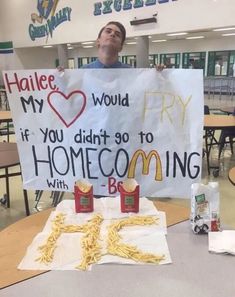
x=83, y=194
x=129, y=196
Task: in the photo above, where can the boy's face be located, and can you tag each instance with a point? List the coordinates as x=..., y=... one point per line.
x=111, y=36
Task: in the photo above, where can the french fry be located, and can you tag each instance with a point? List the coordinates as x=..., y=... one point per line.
x=115, y=247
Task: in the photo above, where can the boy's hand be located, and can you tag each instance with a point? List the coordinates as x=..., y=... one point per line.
x=160, y=67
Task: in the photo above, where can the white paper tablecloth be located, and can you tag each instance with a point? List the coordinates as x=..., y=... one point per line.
x=68, y=247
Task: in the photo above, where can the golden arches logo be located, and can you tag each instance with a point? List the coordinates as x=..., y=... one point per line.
x=146, y=159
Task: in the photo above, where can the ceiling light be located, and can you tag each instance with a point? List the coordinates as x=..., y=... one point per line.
x=224, y=29
x=177, y=34
x=159, y=40
x=131, y=42
x=88, y=42
x=195, y=37
x=87, y=46
x=47, y=46
x=149, y=36
x=70, y=47
x=228, y=34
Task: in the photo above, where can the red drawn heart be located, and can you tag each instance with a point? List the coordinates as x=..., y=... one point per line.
x=54, y=99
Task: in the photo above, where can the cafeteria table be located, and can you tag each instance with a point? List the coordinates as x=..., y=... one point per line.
x=5, y=116
x=211, y=123
x=193, y=272
x=9, y=158
x=229, y=109
x=231, y=175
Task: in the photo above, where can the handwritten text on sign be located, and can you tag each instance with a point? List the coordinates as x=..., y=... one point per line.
x=108, y=125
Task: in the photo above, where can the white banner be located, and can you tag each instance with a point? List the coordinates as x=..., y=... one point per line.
x=108, y=125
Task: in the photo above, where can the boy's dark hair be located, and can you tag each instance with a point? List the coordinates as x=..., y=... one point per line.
x=119, y=25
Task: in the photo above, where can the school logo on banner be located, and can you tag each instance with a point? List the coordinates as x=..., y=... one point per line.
x=45, y=7
x=47, y=19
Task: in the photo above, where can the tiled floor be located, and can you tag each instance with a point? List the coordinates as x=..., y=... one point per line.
x=227, y=190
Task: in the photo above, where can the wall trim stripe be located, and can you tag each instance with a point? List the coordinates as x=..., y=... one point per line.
x=7, y=51
x=6, y=45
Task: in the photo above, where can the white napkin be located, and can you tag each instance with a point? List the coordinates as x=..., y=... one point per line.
x=222, y=242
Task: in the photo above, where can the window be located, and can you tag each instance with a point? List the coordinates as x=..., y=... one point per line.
x=194, y=60
x=231, y=70
x=85, y=60
x=170, y=60
x=71, y=63
x=153, y=60
x=57, y=63
x=221, y=63
x=131, y=60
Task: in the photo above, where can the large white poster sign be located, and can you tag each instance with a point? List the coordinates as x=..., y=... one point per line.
x=108, y=125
